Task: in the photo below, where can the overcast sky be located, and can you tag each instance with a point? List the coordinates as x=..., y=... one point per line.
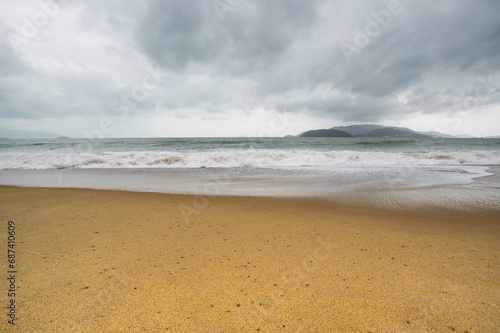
x=175, y=68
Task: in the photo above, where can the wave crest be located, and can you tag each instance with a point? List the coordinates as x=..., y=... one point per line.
x=240, y=158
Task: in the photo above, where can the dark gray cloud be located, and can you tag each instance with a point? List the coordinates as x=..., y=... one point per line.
x=346, y=108
x=248, y=38
x=426, y=39
x=403, y=58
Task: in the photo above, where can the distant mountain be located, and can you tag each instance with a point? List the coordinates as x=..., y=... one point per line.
x=379, y=131
x=25, y=134
x=325, y=133
x=434, y=134
x=372, y=130
x=358, y=130
x=394, y=132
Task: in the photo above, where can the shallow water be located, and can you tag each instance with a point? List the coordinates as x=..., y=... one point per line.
x=464, y=187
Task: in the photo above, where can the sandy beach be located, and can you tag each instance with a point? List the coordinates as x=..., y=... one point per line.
x=110, y=261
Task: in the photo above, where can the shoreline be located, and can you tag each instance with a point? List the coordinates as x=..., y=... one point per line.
x=196, y=200
x=396, y=188
x=101, y=260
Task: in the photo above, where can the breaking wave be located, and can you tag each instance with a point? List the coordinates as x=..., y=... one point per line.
x=263, y=158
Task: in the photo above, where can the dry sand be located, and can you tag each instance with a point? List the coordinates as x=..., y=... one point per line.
x=108, y=261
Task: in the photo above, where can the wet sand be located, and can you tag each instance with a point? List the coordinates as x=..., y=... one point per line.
x=110, y=261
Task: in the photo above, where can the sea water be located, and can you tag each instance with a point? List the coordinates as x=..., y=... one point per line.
x=395, y=172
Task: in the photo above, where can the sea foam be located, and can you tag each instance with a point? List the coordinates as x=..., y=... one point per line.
x=260, y=158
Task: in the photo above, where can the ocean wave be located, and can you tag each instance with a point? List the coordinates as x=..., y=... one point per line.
x=386, y=142
x=266, y=158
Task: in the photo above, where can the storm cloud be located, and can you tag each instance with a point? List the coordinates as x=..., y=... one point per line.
x=225, y=67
